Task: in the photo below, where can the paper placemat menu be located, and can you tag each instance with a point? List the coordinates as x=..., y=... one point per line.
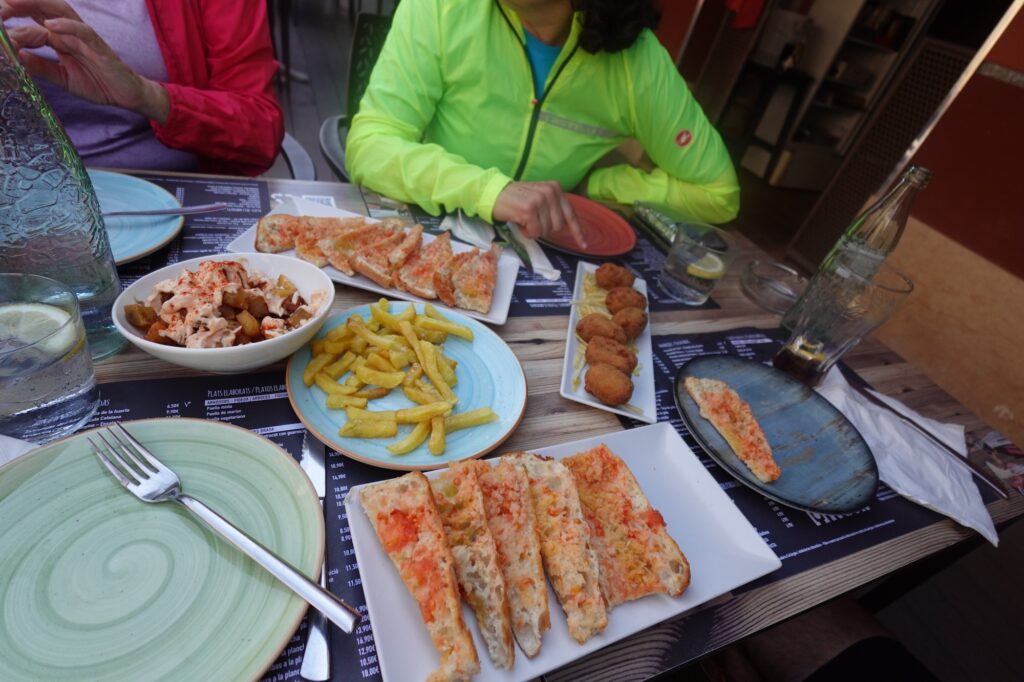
x=208, y=233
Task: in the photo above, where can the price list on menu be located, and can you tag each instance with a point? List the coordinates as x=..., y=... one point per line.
x=259, y=403
x=802, y=540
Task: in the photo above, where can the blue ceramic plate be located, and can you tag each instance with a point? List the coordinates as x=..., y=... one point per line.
x=826, y=465
x=132, y=237
x=489, y=375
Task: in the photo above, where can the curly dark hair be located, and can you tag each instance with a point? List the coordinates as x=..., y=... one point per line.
x=614, y=25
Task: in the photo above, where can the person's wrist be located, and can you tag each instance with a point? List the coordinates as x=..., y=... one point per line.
x=154, y=102
x=489, y=196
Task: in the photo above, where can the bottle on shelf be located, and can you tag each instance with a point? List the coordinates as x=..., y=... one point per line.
x=50, y=221
x=872, y=236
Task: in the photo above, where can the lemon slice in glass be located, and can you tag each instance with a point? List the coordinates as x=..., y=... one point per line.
x=709, y=266
x=28, y=323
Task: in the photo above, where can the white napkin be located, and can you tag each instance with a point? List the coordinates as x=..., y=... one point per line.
x=541, y=265
x=480, y=234
x=10, y=448
x=908, y=462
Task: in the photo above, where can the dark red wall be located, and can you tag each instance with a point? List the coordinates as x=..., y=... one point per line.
x=977, y=151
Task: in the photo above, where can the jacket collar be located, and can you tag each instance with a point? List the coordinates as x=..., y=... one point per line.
x=517, y=27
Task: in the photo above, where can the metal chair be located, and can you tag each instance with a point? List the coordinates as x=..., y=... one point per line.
x=367, y=40
x=300, y=163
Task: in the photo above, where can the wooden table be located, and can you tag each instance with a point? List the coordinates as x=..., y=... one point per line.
x=539, y=342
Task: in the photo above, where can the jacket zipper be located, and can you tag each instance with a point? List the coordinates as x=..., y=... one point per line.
x=538, y=102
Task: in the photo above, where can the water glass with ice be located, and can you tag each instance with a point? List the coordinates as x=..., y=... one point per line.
x=697, y=260
x=47, y=385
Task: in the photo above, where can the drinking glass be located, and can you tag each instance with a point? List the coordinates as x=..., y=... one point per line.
x=47, y=385
x=839, y=308
x=697, y=260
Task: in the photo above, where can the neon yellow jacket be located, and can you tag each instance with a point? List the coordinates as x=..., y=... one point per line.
x=450, y=117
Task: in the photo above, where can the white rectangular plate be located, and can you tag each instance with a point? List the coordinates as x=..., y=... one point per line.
x=643, y=384
x=723, y=549
x=508, y=264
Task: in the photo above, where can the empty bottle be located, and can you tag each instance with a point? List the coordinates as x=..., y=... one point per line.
x=872, y=236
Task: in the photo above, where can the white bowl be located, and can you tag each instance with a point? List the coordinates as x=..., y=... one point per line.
x=307, y=278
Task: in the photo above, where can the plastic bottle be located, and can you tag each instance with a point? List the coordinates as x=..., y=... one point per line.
x=50, y=221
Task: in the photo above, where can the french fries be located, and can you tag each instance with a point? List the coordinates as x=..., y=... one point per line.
x=436, y=444
x=369, y=429
x=465, y=420
x=412, y=441
x=431, y=324
x=365, y=359
x=422, y=413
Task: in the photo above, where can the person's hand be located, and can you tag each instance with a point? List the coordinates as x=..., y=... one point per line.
x=87, y=66
x=539, y=208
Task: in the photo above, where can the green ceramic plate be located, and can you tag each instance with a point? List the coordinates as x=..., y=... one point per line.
x=96, y=585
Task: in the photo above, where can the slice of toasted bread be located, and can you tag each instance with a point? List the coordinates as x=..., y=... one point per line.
x=565, y=544
x=733, y=418
x=406, y=521
x=276, y=232
x=410, y=245
x=510, y=517
x=473, y=282
x=460, y=502
x=416, y=275
x=372, y=260
x=343, y=245
x=443, y=284
x=307, y=249
x=636, y=553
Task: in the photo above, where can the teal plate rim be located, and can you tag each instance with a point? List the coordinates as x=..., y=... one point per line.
x=398, y=465
x=165, y=237
x=761, y=488
x=289, y=627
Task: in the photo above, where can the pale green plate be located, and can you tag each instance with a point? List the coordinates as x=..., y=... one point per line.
x=96, y=585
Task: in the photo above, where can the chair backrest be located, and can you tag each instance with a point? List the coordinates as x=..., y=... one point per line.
x=367, y=41
x=300, y=163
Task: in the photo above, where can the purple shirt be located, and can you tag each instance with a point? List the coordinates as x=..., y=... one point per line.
x=111, y=136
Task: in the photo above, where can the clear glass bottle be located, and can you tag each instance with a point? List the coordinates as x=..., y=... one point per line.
x=50, y=221
x=871, y=237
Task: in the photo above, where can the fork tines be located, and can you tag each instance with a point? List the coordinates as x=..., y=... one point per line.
x=133, y=463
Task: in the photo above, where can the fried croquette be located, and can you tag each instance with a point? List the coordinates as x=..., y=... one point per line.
x=624, y=297
x=610, y=276
x=632, y=321
x=610, y=352
x=608, y=384
x=596, y=324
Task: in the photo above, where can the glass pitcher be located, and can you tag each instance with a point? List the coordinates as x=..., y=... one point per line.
x=50, y=221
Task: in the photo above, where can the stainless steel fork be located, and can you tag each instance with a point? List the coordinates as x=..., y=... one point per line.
x=150, y=480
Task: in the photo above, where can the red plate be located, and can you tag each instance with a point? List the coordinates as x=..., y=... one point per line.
x=607, y=233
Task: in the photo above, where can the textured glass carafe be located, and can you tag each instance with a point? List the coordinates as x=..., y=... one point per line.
x=872, y=236
x=50, y=222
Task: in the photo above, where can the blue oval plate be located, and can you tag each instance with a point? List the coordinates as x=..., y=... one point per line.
x=826, y=465
x=132, y=237
x=489, y=375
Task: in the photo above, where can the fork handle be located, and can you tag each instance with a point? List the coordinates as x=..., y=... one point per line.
x=337, y=611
